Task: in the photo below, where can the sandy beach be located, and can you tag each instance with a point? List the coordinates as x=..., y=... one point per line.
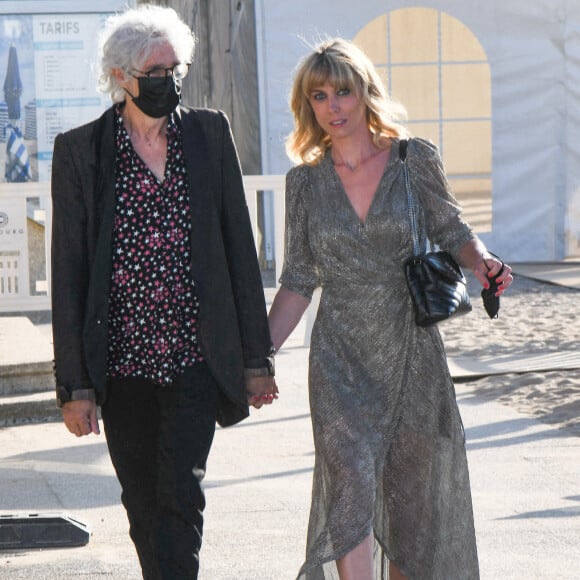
x=535, y=318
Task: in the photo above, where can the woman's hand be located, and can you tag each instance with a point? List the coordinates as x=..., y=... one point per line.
x=485, y=266
x=491, y=266
x=261, y=391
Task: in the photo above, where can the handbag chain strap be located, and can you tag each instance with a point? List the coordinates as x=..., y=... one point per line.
x=412, y=209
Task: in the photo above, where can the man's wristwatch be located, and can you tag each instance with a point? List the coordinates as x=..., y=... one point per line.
x=266, y=371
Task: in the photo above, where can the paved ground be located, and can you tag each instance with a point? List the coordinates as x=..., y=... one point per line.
x=525, y=478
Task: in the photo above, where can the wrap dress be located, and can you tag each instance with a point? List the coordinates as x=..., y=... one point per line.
x=389, y=442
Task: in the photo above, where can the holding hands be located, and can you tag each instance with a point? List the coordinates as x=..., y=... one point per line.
x=261, y=391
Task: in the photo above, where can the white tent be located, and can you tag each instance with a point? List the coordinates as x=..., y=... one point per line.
x=529, y=142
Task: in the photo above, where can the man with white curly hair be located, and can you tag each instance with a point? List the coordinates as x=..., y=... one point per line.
x=158, y=306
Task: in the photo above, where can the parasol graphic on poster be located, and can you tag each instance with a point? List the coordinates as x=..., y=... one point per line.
x=17, y=163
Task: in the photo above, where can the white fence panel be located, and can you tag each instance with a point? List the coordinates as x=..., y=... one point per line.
x=274, y=207
x=24, y=247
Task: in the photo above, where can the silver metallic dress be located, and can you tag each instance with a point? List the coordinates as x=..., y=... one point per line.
x=390, y=448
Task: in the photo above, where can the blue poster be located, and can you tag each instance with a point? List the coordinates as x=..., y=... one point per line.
x=48, y=77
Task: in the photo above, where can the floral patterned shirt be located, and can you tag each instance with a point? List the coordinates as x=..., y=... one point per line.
x=154, y=309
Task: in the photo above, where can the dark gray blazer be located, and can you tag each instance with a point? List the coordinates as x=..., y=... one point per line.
x=233, y=326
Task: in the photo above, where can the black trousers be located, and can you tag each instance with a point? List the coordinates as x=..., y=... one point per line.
x=159, y=440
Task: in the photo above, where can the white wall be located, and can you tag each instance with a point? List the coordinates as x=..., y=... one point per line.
x=533, y=47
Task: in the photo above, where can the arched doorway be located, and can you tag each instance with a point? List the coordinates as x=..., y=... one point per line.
x=435, y=66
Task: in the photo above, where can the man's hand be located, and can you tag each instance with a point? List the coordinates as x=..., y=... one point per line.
x=80, y=417
x=261, y=391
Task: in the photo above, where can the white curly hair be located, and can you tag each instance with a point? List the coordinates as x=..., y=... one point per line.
x=129, y=38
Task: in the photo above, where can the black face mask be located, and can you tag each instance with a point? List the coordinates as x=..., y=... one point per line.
x=158, y=96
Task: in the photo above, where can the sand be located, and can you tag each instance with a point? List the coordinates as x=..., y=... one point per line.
x=535, y=318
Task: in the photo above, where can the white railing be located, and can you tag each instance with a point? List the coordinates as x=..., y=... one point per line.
x=274, y=207
x=25, y=228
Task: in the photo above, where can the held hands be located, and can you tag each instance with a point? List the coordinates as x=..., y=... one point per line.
x=261, y=391
x=80, y=417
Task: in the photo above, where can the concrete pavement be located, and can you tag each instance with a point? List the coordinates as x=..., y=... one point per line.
x=525, y=479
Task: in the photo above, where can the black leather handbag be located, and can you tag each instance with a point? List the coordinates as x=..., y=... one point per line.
x=437, y=285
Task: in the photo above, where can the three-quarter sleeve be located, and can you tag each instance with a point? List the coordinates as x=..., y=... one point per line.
x=300, y=273
x=441, y=211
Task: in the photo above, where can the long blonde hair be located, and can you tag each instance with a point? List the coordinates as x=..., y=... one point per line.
x=343, y=65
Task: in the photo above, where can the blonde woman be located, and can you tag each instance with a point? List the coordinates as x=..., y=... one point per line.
x=391, y=495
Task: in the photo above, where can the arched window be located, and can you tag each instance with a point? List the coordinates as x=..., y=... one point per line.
x=436, y=67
